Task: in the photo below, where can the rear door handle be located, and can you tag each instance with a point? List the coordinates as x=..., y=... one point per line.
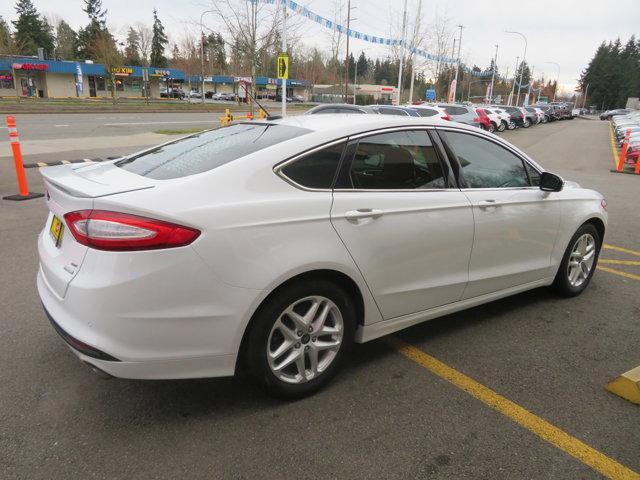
x=355, y=215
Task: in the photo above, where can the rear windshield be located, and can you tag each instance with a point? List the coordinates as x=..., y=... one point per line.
x=208, y=150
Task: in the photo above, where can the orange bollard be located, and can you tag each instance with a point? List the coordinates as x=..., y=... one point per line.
x=623, y=154
x=248, y=116
x=637, y=170
x=23, y=188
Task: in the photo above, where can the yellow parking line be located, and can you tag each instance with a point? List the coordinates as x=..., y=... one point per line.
x=632, y=276
x=613, y=145
x=618, y=262
x=620, y=249
x=545, y=430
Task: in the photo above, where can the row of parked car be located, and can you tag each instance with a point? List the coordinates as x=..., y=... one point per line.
x=628, y=122
x=494, y=118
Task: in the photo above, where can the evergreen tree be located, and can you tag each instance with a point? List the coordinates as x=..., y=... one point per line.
x=6, y=40
x=31, y=30
x=132, y=48
x=363, y=65
x=66, y=41
x=158, y=43
x=95, y=31
x=215, y=52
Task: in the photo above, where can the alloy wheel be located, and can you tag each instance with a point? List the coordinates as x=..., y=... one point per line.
x=582, y=259
x=305, y=339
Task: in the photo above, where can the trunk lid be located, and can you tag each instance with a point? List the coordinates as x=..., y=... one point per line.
x=70, y=188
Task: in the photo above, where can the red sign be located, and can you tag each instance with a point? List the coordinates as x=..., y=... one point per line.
x=41, y=67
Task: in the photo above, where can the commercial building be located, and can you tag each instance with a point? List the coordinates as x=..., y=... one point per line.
x=31, y=77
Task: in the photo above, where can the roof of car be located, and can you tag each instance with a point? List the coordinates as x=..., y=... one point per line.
x=344, y=123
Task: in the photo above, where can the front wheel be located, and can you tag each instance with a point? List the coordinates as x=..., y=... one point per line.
x=299, y=338
x=579, y=262
x=492, y=127
x=526, y=123
x=512, y=125
x=503, y=126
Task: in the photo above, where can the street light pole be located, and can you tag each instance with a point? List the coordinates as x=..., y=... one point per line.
x=455, y=82
x=524, y=56
x=493, y=74
x=513, y=82
x=555, y=90
x=530, y=83
x=416, y=32
x=283, y=82
x=202, y=53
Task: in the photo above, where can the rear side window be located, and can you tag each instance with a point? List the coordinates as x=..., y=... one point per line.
x=426, y=112
x=317, y=169
x=453, y=110
x=392, y=111
x=208, y=150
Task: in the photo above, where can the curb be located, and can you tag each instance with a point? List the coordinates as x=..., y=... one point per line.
x=64, y=162
x=627, y=386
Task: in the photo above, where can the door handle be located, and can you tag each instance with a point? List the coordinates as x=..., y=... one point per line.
x=355, y=215
x=488, y=204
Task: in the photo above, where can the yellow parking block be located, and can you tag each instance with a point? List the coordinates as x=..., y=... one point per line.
x=627, y=385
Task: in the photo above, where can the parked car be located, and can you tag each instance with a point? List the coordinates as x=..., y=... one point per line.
x=505, y=118
x=533, y=116
x=427, y=110
x=462, y=114
x=297, y=99
x=495, y=119
x=609, y=114
x=195, y=94
x=517, y=116
x=271, y=246
x=172, y=92
x=550, y=112
x=325, y=108
x=485, y=121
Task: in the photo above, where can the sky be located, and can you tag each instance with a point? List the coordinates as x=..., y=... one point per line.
x=566, y=32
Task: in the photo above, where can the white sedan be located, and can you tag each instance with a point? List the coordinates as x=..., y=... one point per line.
x=270, y=246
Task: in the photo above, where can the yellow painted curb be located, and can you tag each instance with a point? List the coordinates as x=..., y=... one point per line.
x=627, y=385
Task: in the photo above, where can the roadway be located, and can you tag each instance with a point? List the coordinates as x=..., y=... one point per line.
x=386, y=415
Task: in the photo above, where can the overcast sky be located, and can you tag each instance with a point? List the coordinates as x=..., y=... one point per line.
x=563, y=31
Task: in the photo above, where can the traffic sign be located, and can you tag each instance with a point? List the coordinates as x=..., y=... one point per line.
x=283, y=66
x=430, y=94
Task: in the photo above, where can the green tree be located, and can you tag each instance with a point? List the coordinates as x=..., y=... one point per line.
x=215, y=53
x=158, y=43
x=95, y=31
x=66, y=41
x=132, y=48
x=7, y=45
x=31, y=30
x=363, y=65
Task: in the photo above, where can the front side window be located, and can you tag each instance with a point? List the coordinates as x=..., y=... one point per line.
x=485, y=164
x=401, y=160
x=208, y=150
x=317, y=169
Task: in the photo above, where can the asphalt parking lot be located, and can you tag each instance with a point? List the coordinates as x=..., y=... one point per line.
x=509, y=390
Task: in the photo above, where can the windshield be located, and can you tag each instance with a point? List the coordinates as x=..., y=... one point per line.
x=208, y=150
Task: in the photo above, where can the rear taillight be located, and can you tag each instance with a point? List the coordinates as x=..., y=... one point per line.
x=105, y=230
x=477, y=119
x=446, y=116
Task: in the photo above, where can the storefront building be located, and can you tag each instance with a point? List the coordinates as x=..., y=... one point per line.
x=30, y=77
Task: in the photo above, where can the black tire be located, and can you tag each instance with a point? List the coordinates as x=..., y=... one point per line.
x=512, y=125
x=503, y=126
x=492, y=127
x=526, y=123
x=561, y=283
x=255, y=354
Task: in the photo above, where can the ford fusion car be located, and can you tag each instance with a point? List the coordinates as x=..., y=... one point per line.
x=270, y=246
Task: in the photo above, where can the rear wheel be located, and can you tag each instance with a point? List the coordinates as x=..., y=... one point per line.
x=579, y=262
x=512, y=125
x=299, y=339
x=492, y=127
x=526, y=123
x=503, y=126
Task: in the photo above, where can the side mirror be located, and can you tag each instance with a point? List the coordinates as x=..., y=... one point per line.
x=550, y=182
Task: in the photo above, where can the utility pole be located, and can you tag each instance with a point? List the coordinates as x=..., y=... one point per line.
x=524, y=56
x=404, y=27
x=346, y=60
x=416, y=32
x=493, y=74
x=283, y=82
x=202, y=52
x=453, y=54
x=513, y=82
x=584, y=99
x=455, y=85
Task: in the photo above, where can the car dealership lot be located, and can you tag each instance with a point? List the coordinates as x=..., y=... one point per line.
x=385, y=416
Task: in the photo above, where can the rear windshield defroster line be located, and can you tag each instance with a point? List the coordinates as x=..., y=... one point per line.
x=208, y=150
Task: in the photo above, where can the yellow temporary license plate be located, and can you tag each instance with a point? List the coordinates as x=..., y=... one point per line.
x=56, y=230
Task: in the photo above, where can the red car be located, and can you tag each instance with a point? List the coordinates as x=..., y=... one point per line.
x=484, y=120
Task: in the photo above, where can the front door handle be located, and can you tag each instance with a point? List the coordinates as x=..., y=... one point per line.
x=355, y=215
x=488, y=204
